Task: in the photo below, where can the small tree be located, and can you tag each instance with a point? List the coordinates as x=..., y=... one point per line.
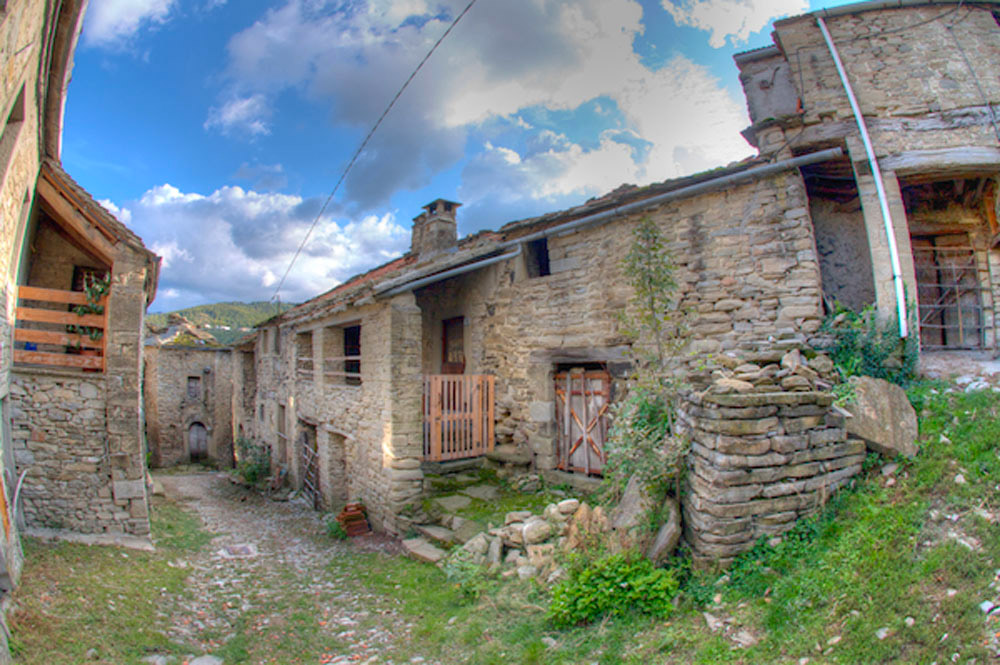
x=642, y=440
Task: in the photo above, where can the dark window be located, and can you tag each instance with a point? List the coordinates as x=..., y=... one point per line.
x=453, y=346
x=536, y=257
x=352, y=347
x=83, y=275
x=194, y=387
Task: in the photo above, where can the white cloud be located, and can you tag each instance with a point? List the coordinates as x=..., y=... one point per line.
x=503, y=58
x=241, y=115
x=732, y=20
x=111, y=23
x=123, y=215
x=234, y=244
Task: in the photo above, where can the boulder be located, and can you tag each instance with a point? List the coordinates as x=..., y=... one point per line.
x=477, y=545
x=465, y=529
x=495, y=552
x=882, y=416
x=517, y=516
x=669, y=534
x=634, y=507
x=568, y=506
x=536, y=530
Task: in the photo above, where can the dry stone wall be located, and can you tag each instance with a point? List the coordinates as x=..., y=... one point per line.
x=61, y=439
x=766, y=448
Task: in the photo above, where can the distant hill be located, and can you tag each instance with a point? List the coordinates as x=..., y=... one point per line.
x=238, y=317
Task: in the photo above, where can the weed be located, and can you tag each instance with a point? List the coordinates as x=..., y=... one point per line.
x=335, y=529
x=253, y=460
x=613, y=585
x=865, y=347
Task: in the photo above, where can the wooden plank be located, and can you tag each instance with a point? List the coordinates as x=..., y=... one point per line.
x=57, y=359
x=58, y=339
x=437, y=396
x=491, y=412
x=55, y=295
x=53, y=316
x=74, y=221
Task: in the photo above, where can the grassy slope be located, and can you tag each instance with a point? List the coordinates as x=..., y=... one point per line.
x=871, y=560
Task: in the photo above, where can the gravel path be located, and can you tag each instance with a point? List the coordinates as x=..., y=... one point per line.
x=269, y=560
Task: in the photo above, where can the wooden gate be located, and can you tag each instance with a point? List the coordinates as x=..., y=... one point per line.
x=310, y=466
x=582, y=402
x=458, y=416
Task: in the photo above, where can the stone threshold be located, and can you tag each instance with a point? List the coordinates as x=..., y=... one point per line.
x=143, y=543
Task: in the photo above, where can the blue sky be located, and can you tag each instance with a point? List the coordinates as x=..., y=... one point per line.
x=216, y=128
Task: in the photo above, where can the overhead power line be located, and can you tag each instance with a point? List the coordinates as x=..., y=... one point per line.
x=357, y=153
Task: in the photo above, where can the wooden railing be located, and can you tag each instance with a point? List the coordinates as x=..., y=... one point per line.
x=50, y=316
x=458, y=416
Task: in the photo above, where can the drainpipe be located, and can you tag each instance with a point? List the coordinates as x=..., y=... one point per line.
x=897, y=278
x=437, y=277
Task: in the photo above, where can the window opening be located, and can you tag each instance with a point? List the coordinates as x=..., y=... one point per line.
x=537, y=258
x=194, y=387
x=453, y=346
x=352, y=353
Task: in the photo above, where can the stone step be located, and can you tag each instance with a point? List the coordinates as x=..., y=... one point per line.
x=509, y=454
x=421, y=550
x=437, y=533
x=484, y=492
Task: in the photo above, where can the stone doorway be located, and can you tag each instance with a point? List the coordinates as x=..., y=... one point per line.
x=197, y=442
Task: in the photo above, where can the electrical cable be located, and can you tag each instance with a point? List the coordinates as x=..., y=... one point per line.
x=364, y=143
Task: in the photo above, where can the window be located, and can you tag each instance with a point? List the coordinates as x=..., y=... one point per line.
x=304, y=356
x=260, y=413
x=536, y=257
x=194, y=387
x=352, y=355
x=275, y=341
x=453, y=346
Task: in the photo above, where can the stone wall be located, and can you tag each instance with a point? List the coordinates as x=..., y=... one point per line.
x=171, y=411
x=369, y=436
x=747, y=267
x=60, y=433
x=766, y=447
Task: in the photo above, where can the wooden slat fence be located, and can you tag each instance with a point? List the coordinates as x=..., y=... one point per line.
x=458, y=416
x=49, y=316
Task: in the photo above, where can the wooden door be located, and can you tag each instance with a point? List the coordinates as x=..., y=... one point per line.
x=949, y=291
x=453, y=346
x=197, y=442
x=582, y=402
x=310, y=466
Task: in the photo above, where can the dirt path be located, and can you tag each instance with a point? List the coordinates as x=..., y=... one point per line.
x=266, y=578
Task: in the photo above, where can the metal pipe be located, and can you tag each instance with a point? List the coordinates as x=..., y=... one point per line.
x=437, y=277
x=690, y=190
x=883, y=200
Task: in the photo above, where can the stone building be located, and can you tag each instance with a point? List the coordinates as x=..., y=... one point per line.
x=188, y=391
x=508, y=343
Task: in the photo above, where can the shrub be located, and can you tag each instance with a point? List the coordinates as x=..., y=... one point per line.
x=864, y=347
x=613, y=585
x=253, y=460
x=335, y=529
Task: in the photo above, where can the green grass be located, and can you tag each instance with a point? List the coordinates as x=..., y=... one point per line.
x=73, y=597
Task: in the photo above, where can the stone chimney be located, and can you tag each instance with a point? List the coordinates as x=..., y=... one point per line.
x=435, y=230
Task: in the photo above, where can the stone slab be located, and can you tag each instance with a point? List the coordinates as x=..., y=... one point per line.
x=421, y=550
x=484, y=492
x=452, y=503
x=437, y=533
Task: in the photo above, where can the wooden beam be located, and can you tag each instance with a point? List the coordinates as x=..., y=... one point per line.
x=58, y=359
x=56, y=338
x=74, y=221
x=53, y=316
x=56, y=295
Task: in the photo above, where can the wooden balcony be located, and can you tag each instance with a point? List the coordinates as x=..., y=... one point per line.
x=44, y=320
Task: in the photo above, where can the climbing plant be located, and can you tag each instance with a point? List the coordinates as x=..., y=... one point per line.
x=641, y=439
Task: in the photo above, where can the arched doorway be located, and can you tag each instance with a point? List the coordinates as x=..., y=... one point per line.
x=197, y=442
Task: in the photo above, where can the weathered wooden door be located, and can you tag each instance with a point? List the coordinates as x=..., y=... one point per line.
x=197, y=442
x=582, y=401
x=950, y=291
x=310, y=466
x=458, y=416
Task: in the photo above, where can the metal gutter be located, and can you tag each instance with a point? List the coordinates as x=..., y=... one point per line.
x=437, y=277
x=690, y=190
x=883, y=200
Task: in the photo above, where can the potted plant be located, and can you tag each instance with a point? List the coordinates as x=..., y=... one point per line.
x=95, y=288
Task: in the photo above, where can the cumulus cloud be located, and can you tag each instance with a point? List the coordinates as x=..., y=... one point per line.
x=241, y=115
x=123, y=215
x=732, y=20
x=503, y=58
x=111, y=23
x=234, y=244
